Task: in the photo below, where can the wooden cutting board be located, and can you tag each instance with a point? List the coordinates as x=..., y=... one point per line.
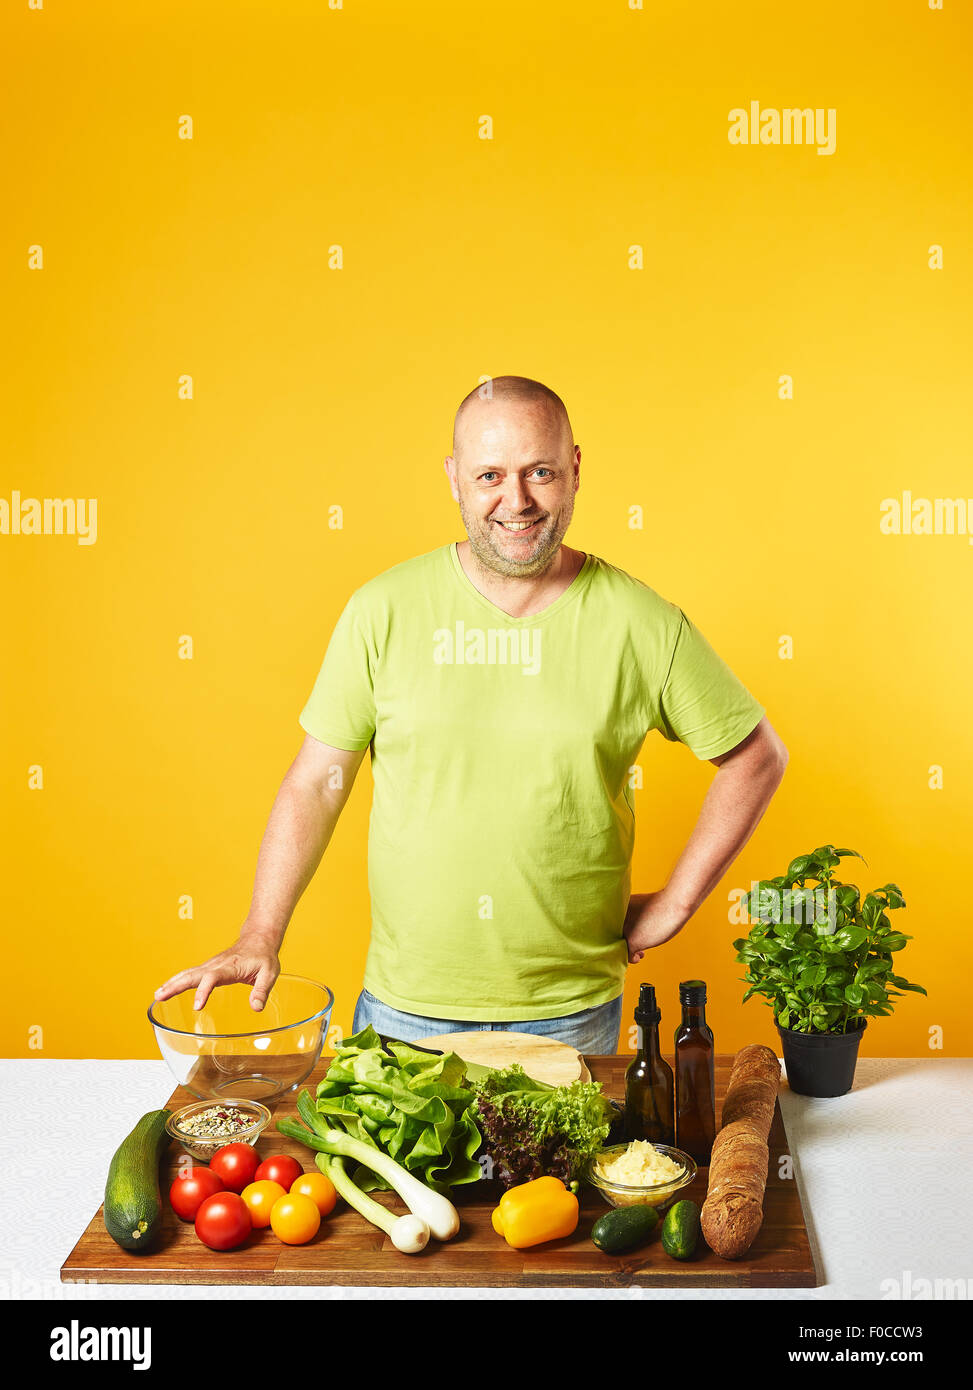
x=544, y=1059
x=349, y=1251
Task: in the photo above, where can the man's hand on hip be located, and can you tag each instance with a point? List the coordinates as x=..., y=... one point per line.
x=651, y=919
x=251, y=960
x=746, y=779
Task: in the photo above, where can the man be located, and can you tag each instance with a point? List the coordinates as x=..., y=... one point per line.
x=505, y=685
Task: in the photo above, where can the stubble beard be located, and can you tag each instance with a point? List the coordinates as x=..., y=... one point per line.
x=486, y=550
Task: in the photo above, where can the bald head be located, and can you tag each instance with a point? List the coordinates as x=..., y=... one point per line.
x=514, y=473
x=490, y=397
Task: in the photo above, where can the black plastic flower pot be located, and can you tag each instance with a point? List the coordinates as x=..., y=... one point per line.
x=820, y=1064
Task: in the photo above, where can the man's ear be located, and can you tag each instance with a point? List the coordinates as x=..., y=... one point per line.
x=449, y=464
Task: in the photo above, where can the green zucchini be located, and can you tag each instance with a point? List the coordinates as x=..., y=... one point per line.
x=623, y=1228
x=680, y=1230
x=133, y=1202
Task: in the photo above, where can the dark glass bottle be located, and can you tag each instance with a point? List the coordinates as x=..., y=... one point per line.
x=648, y=1081
x=695, y=1080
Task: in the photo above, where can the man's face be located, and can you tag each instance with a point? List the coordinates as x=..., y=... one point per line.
x=514, y=476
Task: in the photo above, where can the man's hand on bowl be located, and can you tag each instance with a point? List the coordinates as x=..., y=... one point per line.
x=251, y=960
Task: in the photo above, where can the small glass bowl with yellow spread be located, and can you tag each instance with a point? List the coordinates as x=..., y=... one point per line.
x=640, y=1174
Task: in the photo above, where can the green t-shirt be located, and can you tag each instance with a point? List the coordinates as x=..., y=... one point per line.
x=502, y=821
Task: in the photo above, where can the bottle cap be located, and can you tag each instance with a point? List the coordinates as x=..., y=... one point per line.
x=647, y=1010
x=692, y=991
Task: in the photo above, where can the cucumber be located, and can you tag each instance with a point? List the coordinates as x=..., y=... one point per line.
x=680, y=1230
x=623, y=1228
x=133, y=1203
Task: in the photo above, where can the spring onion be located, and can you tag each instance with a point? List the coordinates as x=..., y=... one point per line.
x=436, y=1211
x=407, y=1233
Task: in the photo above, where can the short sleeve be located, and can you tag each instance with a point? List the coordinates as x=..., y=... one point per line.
x=704, y=705
x=341, y=708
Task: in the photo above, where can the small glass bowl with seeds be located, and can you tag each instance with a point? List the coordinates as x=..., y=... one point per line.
x=208, y=1125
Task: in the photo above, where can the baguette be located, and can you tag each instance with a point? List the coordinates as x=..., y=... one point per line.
x=734, y=1207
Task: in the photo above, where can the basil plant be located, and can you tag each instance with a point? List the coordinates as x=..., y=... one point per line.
x=819, y=953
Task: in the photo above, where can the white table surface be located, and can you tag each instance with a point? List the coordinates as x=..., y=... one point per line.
x=884, y=1176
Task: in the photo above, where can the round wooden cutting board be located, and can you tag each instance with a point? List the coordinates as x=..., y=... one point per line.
x=544, y=1059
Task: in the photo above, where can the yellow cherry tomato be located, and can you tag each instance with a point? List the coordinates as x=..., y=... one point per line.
x=260, y=1198
x=295, y=1219
x=319, y=1188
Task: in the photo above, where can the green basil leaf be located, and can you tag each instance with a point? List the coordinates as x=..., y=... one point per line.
x=853, y=938
x=893, y=895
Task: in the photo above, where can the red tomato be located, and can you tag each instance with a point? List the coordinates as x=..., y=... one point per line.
x=189, y=1192
x=223, y=1221
x=279, y=1168
x=236, y=1164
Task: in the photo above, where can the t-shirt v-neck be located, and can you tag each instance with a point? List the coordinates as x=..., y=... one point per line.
x=577, y=586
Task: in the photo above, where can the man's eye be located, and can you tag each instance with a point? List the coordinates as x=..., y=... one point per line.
x=485, y=477
x=543, y=470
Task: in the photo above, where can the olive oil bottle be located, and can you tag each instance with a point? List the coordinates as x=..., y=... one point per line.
x=648, y=1080
x=695, y=1078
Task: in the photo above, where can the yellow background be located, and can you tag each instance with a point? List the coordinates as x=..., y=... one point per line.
x=316, y=387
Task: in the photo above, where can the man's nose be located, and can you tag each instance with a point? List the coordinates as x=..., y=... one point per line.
x=516, y=497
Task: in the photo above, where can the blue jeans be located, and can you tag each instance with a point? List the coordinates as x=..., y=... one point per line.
x=594, y=1031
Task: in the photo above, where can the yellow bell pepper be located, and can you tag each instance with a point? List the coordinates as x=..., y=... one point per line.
x=535, y=1212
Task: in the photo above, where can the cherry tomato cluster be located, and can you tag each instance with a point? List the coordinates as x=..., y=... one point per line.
x=238, y=1193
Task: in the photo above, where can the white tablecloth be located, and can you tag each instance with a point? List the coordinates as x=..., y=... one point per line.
x=884, y=1175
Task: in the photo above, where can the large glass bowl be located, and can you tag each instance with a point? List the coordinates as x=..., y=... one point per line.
x=227, y=1049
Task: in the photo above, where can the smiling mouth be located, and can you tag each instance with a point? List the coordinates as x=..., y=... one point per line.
x=515, y=528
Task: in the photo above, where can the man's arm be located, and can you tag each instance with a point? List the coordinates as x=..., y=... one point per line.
x=745, y=781
x=302, y=821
